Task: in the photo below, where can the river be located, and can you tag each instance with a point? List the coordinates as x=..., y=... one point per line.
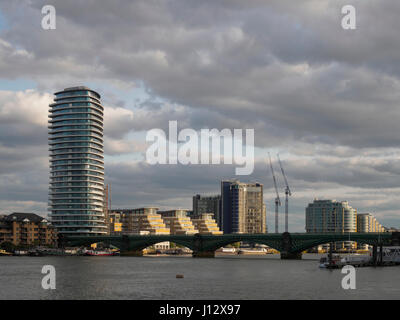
x=227, y=277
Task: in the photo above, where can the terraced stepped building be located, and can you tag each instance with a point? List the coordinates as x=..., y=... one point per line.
x=76, y=192
x=178, y=222
x=141, y=221
x=206, y=224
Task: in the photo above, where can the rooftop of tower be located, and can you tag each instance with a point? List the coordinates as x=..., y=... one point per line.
x=77, y=88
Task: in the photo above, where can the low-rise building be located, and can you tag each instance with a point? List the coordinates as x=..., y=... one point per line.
x=134, y=221
x=206, y=224
x=366, y=222
x=27, y=229
x=178, y=222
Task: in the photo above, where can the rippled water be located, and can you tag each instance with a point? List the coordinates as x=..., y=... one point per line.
x=228, y=277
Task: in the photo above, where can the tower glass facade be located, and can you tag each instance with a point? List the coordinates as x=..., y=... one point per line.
x=76, y=192
x=242, y=207
x=324, y=216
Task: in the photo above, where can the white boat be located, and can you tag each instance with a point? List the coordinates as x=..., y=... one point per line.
x=98, y=253
x=252, y=251
x=390, y=255
x=229, y=250
x=355, y=260
x=335, y=262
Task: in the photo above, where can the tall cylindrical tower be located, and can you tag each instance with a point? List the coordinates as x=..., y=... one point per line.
x=76, y=192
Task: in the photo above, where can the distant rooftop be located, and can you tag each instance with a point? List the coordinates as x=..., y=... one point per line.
x=20, y=216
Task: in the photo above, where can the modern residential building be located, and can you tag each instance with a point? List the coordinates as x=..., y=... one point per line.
x=178, y=222
x=206, y=224
x=324, y=216
x=366, y=222
x=242, y=207
x=27, y=229
x=207, y=204
x=141, y=221
x=76, y=193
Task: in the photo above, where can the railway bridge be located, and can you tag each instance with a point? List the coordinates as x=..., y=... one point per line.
x=290, y=245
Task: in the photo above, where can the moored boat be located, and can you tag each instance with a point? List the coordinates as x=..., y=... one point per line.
x=253, y=251
x=5, y=253
x=228, y=250
x=99, y=253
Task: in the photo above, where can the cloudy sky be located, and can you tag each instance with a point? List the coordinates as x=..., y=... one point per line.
x=325, y=98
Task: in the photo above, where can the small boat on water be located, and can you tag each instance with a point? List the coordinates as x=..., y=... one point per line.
x=338, y=261
x=390, y=255
x=335, y=261
x=253, y=251
x=20, y=253
x=99, y=253
x=5, y=253
x=228, y=250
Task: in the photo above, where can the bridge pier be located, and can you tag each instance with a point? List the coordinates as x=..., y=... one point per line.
x=132, y=253
x=374, y=254
x=203, y=254
x=291, y=255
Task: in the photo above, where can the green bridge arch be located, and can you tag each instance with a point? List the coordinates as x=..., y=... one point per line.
x=291, y=245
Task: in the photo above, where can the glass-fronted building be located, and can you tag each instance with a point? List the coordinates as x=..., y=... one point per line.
x=242, y=207
x=76, y=192
x=324, y=216
x=330, y=216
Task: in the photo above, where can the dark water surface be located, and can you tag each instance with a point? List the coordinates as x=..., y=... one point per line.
x=228, y=277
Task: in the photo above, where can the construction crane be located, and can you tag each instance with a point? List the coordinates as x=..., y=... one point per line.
x=287, y=193
x=277, y=199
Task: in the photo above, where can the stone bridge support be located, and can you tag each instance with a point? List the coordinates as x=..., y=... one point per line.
x=287, y=252
x=203, y=254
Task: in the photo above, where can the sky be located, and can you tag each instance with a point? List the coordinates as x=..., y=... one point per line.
x=325, y=98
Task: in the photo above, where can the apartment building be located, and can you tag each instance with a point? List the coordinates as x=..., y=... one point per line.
x=206, y=224
x=242, y=207
x=140, y=220
x=178, y=222
x=27, y=229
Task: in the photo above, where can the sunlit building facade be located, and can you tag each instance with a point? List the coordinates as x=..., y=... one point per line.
x=206, y=224
x=143, y=221
x=178, y=222
x=242, y=207
x=325, y=216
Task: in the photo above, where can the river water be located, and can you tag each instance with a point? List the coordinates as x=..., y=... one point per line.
x=227, y=277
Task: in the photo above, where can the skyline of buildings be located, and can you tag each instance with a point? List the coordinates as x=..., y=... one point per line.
x=79, y=198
